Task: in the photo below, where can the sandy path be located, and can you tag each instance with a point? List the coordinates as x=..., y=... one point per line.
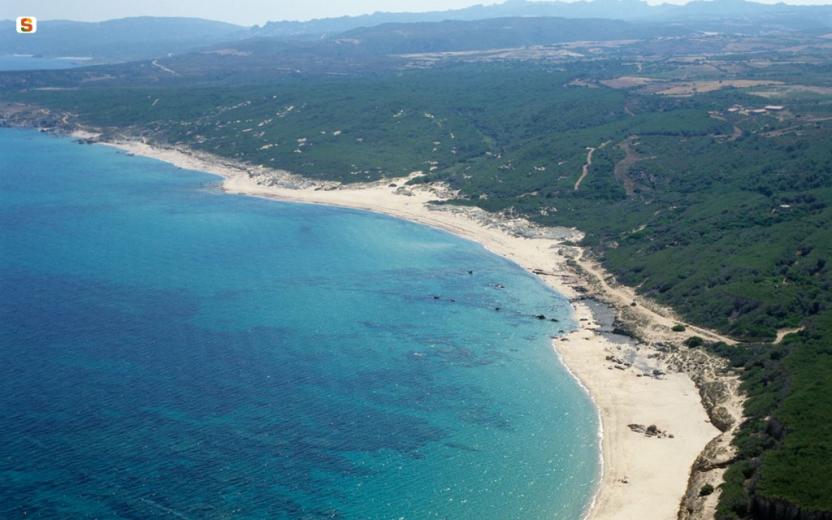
x=587, y=164
x=643, y=477
x=782, y=333
x=585, y=169
x=158, y=65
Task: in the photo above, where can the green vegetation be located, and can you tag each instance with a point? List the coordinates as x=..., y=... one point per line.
x=786, y=442
x=678, y=328
x=694, y=341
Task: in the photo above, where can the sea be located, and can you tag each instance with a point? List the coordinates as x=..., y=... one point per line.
x=168, y=350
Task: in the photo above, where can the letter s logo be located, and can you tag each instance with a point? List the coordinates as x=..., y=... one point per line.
x=27, y=24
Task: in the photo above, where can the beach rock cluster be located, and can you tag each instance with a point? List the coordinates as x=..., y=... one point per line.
x=650, y=431
x=618, y=363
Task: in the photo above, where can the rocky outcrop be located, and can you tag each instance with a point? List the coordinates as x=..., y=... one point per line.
x=650, y=431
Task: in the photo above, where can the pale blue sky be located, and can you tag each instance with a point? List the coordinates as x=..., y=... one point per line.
x=245, y=12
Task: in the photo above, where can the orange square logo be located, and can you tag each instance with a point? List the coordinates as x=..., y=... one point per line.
x=27, y=24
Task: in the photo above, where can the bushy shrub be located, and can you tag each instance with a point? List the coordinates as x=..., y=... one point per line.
x=694, y=341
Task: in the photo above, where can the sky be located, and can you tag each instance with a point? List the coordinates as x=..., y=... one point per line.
x=243, y=12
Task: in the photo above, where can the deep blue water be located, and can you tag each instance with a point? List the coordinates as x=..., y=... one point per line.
x=170, y=351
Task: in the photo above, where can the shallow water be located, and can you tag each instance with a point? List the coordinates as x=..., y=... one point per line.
x=168, y=350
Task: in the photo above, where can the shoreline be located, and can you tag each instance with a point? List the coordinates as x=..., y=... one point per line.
x=641, y=475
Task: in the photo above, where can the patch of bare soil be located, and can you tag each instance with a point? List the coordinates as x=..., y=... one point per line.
x=689, y=88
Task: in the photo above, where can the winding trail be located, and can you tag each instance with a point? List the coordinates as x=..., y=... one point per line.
x=782, y=333
x=156, y=63
x=585, y=169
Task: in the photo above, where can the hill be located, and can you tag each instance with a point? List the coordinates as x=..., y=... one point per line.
x=633, y=10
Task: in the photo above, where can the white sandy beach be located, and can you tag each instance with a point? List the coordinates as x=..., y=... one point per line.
x=644, y=477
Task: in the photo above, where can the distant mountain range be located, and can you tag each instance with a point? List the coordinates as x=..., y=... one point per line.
x=149, y=37
x=819, y=17
x=498, y=33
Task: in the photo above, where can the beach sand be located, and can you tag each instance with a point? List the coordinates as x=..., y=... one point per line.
x=644, y=477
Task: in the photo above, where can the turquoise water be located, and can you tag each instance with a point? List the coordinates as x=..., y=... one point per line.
x=170, y=351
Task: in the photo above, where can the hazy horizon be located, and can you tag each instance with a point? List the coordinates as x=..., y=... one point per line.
x=250, y=12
